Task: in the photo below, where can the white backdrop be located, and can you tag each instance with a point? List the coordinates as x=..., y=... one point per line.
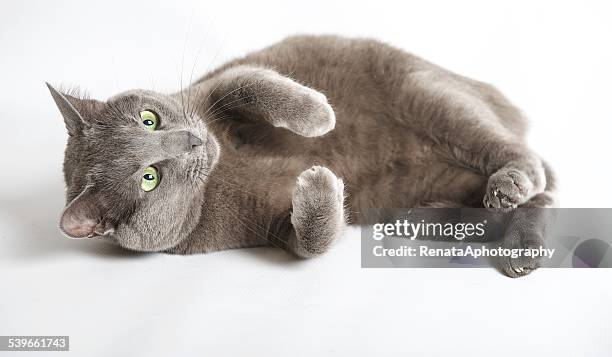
x=551, y=58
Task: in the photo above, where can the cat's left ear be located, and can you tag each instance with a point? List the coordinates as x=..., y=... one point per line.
x=77, y=112
x=84, y=217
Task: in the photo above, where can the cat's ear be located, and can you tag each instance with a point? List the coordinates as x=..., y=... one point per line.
x=84, y=216
x=76, y=111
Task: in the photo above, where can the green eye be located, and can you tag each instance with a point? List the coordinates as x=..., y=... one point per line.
x=150, y=179
x=149, y=119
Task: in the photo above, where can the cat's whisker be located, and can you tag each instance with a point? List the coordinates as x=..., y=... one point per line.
x=254, y=231
x=233, y=91
x=182, y=69
x=152, y=84
x=268, y=233
x=205, y=101
x=225, y=109
x=195, y=107
x=221, y=116
x=236, y=100
x=235, y=185
x=226, y=94
x=195, y=61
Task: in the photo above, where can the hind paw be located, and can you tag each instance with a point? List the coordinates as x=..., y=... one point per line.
x=522, y=265
x=318, y=211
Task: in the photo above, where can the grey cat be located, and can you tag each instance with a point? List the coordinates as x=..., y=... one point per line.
x=252, y=153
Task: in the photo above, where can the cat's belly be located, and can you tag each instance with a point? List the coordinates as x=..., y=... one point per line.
x=383, y=164
x=416, y=186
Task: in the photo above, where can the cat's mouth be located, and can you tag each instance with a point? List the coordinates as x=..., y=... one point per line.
x=204, y=158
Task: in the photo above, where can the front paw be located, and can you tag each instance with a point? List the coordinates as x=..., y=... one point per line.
x=507, y=189
x=314, y=117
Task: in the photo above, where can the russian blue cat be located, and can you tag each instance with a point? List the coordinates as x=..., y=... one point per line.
x=286, y=145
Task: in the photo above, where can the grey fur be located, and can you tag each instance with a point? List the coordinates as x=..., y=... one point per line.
x=402, y=133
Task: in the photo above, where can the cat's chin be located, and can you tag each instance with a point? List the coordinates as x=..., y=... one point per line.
x=136, y=243
x=198, y=163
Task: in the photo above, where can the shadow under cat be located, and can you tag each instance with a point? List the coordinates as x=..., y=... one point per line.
x=33, y=229
x=34, y=233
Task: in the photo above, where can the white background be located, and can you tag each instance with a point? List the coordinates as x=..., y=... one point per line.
x=551, y=58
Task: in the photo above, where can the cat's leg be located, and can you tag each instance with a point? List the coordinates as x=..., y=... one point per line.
x=264, y=94
x=527, y=228
x=318, y=212
x=466, y=129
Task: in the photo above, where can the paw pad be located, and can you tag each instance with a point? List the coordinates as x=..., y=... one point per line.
x=506, y=190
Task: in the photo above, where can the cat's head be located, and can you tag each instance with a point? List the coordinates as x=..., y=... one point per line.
x=135, y=168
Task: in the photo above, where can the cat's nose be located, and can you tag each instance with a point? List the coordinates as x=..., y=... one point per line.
x=194, y=141
x=179, y=142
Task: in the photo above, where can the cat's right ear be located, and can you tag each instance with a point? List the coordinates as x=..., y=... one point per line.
x=84, y=217
x=76, y=111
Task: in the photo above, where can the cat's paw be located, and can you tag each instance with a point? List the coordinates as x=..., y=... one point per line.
x=522, y=265
x=318, y=210
x=318, y=189
x=315, y=117
x=507, y=189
